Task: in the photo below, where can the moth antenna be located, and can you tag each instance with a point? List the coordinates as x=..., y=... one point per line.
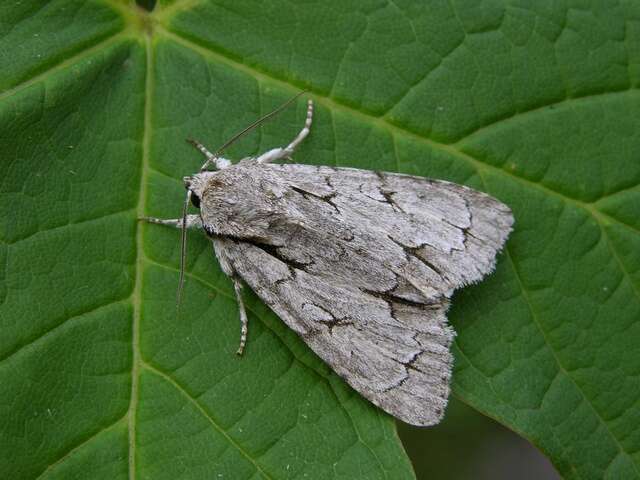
x=183, y=248
x=251, y=127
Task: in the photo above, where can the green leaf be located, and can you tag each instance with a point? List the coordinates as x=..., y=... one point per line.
x=534, y=102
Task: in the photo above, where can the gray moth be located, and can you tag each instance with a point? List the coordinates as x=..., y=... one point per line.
x=360, y=264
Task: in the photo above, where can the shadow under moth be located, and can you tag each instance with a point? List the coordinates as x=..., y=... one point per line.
x=360, y=264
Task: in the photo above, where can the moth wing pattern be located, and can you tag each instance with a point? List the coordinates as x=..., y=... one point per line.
x=457, y=230
x=365, y=277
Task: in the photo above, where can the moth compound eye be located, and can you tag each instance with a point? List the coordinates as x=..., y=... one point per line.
x=195, y=200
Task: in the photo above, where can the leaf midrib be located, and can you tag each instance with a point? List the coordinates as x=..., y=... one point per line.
x=139, y=263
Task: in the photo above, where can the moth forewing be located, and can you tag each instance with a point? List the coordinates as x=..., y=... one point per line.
x=360, y=264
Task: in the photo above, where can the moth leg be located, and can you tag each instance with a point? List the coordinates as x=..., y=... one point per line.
x=237, y=285
x=219, y=162
x=225, y=263
x=193, y=221
x=278, y=153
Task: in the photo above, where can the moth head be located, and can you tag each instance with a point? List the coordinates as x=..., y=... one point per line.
x=196, y=185
x=238, y=201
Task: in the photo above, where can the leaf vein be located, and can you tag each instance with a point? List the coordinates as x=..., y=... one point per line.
x=40, y=336
x=74, y=449
x=78, y=57
x=70, y=224
x=137, y=289
x=584, y=397
x=166, y=377
x=451, y=149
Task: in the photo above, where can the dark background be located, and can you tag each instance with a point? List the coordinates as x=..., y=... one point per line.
x=468, y=445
